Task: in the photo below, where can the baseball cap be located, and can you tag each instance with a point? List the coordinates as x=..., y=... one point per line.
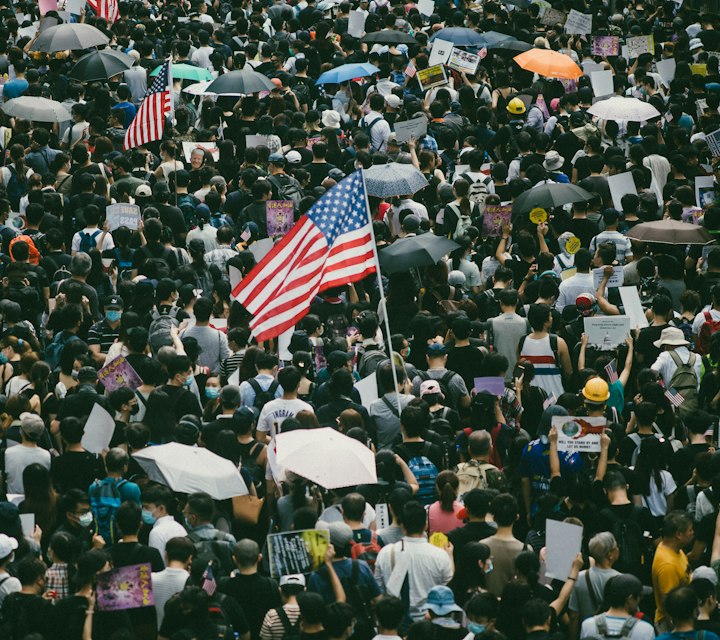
x=340, y=534
x=143, y=191
x=293, y=157
x=230, y=394
x=32, y=425
x=429, y=387
x=337, y=359
x=392, y=101
x=585, y=303
x=294, y=578
x=114, y=302
x=436, y=349
x=705, y=573
x=623, y=586
x=7, y=545
x=276, y=158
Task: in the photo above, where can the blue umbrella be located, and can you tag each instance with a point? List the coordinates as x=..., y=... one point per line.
x=464, y=37
x=346, y=72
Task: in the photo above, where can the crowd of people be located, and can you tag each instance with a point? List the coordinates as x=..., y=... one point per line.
x=450, y=543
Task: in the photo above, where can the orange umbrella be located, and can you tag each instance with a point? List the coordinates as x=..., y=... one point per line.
x=549, y=63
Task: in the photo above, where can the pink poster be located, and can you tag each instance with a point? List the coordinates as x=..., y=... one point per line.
x=125, y=588
x=605, y=46
x=280, y=217
x=47, y=5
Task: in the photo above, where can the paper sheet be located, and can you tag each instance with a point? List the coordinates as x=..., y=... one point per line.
x=284, y=344
x=367, y=388
x=426, y=7
x=27, y=521
x=616, y=279
x=666, y=70
x=602, y=83
x=415, y=127
x=564, y=541
x=633, y=308
x=440, y=52
x=99, y=430
x=356, y=23
x=621, y=184
x=607, y=332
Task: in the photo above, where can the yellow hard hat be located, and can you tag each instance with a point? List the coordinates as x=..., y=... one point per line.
x=596, y=390
x=516, y=106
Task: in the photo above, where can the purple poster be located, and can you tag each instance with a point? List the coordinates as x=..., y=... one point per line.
x=570, y=85
x=605, y=46
x=280, y=217
x=495, y=216
x=125, y=588
x=493, y=384
x=119, y=373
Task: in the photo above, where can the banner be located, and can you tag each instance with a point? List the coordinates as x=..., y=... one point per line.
x=579, y=434
x=605, y=46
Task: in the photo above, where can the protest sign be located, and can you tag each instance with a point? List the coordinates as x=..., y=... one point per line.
x=440, y=52
x=284, y=344
x=123, y=214
x=413, y=128
x=432, y=76
x=605, y=46
x=666, y=70
x=569, y=84
x=463, y=61
x=607, y=332
x=564, y=541
x=255, y=140
x=699, y=69
x=368, y=390
x=125, y=588
x=577, y=433
x=616, y=279
x=297, y=551
x=491, y=384
x=591, y=67
x=382, y=516
x=551, y=17
x=495, y=216
x=544, y=6
x=633, y=307
x=261, y=248
x=621, y=184
x=578, y=23
x=280, y=217
x=98, y=431
x=210, y=147
x=45, y=6
x=119, y=373
x=704, y=191
x=602, y=83
x=27, y=522
x=320, y=360
x=639, y=45
x=356, y=23
x=713, y=143
x=426, y=7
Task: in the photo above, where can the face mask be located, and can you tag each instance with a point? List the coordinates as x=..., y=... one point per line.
x=148, y=517
x=3, y=358
x=544, y=439
x=85, y=520
x=475, y=628
x=189, y=381
x=188, y=524
x=134, y=408
x=113, y=315
x=212, y=392
x=489, y=565
x=74, y=374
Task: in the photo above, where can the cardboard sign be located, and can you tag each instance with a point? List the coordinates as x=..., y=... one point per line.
x=368, y=389
x=123, y=215
x=538, y=215
x=492, y=384
x=356, y=23
x=602, y=83
x=639, y=45
x=98, y=430
x=256, y=141
x=440, y=52
x=704, y=191
x=119, y=373
x=713, y=142
x=413, y=128
x=432, y=76
x=572, y=245
x=666, y=70
x=607, y=332
x=564, y=541
x=605, y=46
x=616, y=279
x=578, y=23
x=579, y=434
x=494, y=218
x=633, y=307
x=125, y=588
x=297, y=551
x=426, y=7
x=621, y=184
x=699, y=69
x=463, y=61
x=280, y=217
x=210, y=147
x=551, y=17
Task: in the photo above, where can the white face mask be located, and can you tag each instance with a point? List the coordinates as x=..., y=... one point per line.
x=85, y=520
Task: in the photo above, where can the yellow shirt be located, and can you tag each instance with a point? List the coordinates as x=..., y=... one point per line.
x=669, y=570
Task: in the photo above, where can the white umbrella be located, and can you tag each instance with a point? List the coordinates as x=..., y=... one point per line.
x=37, y=109
x=624, y=109
x=199, y=88
x=188, y=469
x=394, y=179
x=326, y=457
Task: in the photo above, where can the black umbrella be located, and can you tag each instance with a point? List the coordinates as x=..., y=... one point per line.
x=72, y=36
x=516, y=46
x=415, y=251
x=389, y=36
x=671, y=232
x=548, y=196
x=240, y=83
x=101, y=65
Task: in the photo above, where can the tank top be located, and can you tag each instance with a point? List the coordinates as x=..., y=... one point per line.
x=547, y=370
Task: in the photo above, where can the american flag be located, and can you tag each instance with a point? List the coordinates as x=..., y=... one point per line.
x=674, y=396
x=410, y=70
x=209, y=584
x=611, y=370
x=331, y=245
x=107, y=9
x=550, y=401
x=149, y=122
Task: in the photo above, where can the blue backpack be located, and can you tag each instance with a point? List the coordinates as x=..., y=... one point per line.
x=425, y=473
x=53, y=350
x=15, y=189
x=105, y=499
x=88, y=241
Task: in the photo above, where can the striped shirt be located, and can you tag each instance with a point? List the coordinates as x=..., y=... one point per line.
x=230, y=365
x=547, y=370
x=272, y=627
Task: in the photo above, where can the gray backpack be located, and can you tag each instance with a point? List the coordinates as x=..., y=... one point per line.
x=625, y=630
x=159, y=332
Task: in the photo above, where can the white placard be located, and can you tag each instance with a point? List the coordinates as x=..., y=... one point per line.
x=639, y=45
x=256, y=141
x=235, y=277
x=382, y=516
x=27, y=521
x=577, y=433
x=616, y=279
x=607, y=332
x=713, y=142
x=591, y=67
x=633, y=307
x=666, y=70
x=578, y=23
x=189, y=147
x=356, y=23
x=621, y=184
x=463, y=61
x=74, y=7
x=440, y=52
x=261, y=248
x=564, y=541
x=123, y=214
x=98, y=431
x=602, y=83
x=234, y=377
x=367, y=388
x=413, y=128
x=703, y=185
x=426, y=7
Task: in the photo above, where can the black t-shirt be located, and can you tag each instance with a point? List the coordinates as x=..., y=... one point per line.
x=682, y=462
x=644, y=345
x=75, y=470
x=318, y=172
x=257, y=594
x=172, y=217
x=182, y=401
x=126, y=554
x=467, y=362
x=604, y=520
x=69, y=619
x=471, y=532
x=28, y=613
x=81, y=403
x=584, y=229
x=230, y=611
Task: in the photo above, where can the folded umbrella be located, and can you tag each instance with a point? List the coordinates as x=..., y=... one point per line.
x=548, y=196
x=393, y=179
x=670, y=232
x=36, y=109
x=101, y=65
x=415, y=251
x=240, y=83
x=188, y=469
x=186, y=72
x=549, y=63
x=624, y=109
x=346, y=72
x=388, y=36
x=72, y=36
x=326, y=457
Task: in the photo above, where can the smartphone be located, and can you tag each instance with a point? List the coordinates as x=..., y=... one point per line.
x=518, y=372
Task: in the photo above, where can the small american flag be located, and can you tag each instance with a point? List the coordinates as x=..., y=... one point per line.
x=549, y=402
x=331, y=245
x=209, y=584
x=611, y=370
x=149, y=121
x=410, y=70
x=107, y=9
x=675, y=398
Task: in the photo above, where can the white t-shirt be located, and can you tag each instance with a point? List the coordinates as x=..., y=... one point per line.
x=165, y=585
x=8, y=585
x=657, y=500
x=700, y=319
x=275, y=411
x=96, y=234
x=19, y=457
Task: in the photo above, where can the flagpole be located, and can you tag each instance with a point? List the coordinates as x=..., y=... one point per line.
x=382, y=293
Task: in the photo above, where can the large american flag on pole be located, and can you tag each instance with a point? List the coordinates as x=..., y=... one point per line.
x=331, y=245
x=149, y=122
x=107, y=9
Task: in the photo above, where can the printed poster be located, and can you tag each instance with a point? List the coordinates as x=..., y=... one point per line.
x=551, y=17
x=440, y=52
x=607, y=332
x=578, y=23
x=280, y=217
x=605, y=46
x=495, y=216
x=211, y=147
x=297, y=551
x=463, y=61
x=432, y=77
x=490, y=384
x=639, y=45
x=123, y=215
x=616, y=279
x=125, y=588
x=576, y=433
x=119, y=373
x=413, y=128
x=713, y=142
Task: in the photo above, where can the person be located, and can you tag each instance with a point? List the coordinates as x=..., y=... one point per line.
x=28, y=452
x=207, y=539
x=275, y=411
x=504, y=547
x=212, y=342
x=8, y=583
x=682, y=604
x=172, y=579
x=26, y=611
x=157, y=503
x=280, y=620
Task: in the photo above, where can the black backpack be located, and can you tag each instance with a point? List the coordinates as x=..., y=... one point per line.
x=440, y=425
x=263, y=397
x=218, y=549
x=290, y=631
x=358, y=597
x=630, y=540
